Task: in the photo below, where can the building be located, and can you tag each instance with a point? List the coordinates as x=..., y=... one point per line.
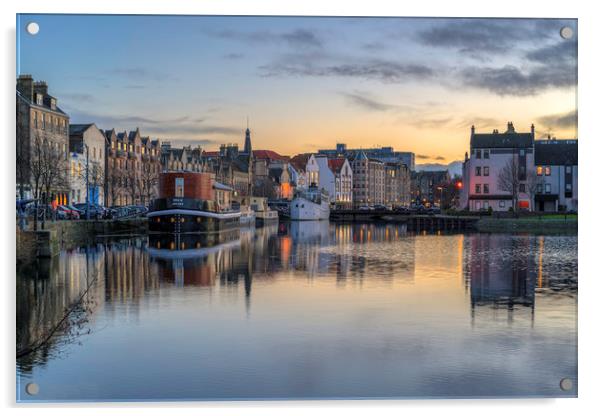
x=428, y=187
x=298, y=170
x=499, y=172
x=132, y=168
x=186, y=158
x=42, y=143
x=397, y=184
x=271, y=178
x=232, y=168
x=335, y=176
x=384, y=154
x=87, y=163
x=556, y=175
x=368, y=180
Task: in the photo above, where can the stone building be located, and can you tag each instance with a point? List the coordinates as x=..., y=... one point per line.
x=132, y=168
x=231, y=168
x=368, y=180
x=87, y=147
x=271, y=177
x=397, y=184
x=186, y=158
x=42, y=143
x=429, y=187
x=384, y=154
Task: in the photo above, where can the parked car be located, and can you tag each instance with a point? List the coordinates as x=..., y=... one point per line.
x=96, y=211
x=71, y=212
x=364, y=208
x=402, y=210
x=379, y=207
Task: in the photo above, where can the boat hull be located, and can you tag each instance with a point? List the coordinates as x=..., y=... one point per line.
x=181, y=221
x=305, y=210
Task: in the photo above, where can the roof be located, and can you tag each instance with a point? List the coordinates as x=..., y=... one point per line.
x=556, y=152
x=44, y=106
x=336, y=165
x=361, y=155
x=299, y=161
x=77, y=129
x=221, y=186
x=211, y=154
x=501, y=140
x=268, y=154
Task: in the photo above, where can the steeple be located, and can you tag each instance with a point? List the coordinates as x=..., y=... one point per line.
x=248, y=149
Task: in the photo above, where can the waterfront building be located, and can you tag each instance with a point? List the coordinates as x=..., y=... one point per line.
x=384, y=154
x=336, y=177
x=368, y=180
x=428, y=187
x=509, y=155
x=556, y=169
x=87, y=149
x=298, y=170
x=133, y=165
x=271, y=175
x=397, y=184
x=42, y=136
x=186, y=158
x=232, y=168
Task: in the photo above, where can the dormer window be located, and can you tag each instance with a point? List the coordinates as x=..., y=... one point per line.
x=53, y=103
x=39, y=99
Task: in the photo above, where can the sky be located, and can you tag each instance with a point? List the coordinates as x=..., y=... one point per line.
x=307, y=83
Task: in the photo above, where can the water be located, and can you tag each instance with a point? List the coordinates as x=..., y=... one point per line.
x=307, y=310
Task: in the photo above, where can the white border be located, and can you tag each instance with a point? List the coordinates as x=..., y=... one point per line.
x=590, y=130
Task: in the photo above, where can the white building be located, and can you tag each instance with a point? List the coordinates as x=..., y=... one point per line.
x=489, y=155
x=86, y=141
x=336, y=177
x=556, y=169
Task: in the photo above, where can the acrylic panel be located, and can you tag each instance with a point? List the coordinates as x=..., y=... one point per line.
x=234, y=208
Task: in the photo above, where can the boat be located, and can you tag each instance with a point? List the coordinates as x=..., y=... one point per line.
x=247, y=216
x=264, y=215
x=192, y=202
x=310, y=204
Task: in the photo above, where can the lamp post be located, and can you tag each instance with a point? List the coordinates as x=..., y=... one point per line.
x=87, y=181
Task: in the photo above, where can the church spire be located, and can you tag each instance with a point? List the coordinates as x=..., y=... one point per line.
x=248, y=149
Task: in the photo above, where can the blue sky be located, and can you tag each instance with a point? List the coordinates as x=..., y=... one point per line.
x=307, y=83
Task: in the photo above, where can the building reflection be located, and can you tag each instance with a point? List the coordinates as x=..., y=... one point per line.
x=501, y=272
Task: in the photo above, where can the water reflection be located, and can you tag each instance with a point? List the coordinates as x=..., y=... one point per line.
x=378, y=289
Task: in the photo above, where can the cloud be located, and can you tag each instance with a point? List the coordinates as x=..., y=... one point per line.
x=563, y=52
x=430, y=122
x=422, y=157
x=559, y=121
x=478, y=122
x=428, y=157
x=295, y=38
x=510, y=80
x=233, y=56
x=360, y=100
x=373, y=69
x=479, y=37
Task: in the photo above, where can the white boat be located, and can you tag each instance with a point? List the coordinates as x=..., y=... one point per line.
x=263, y=214
x=247, y=216
x=310, y=204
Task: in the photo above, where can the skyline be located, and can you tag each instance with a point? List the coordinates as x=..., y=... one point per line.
x=306, y=83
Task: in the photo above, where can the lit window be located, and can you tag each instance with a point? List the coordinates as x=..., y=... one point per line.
x=539, y=170
x=548, y=170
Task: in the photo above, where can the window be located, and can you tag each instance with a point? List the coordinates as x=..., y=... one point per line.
x=539, y=170
x=539, y=188
x=521, y=152
x=502, y=204
x=477, y=188
x=478, y=171
x=486, y=154
x=521, y=187
x=485, y=188
x=485, y=204
x=485, y=170
x=179, y=187
x=478, y=153
x=548, y=170
x=35, y=119
x=568, y=187
x=39, y=99
x=43, y=121
x=548, y=188
x=568, y=169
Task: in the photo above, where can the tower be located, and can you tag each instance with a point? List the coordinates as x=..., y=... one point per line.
x=248, y=149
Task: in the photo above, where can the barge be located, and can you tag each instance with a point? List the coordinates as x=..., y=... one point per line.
x=191, y=202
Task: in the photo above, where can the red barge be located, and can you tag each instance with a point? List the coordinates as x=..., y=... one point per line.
x=191, y=202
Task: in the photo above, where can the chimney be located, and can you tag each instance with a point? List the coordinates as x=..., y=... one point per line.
x=25, y=86
x=472, y=130
x=533, y=130
x=40, y=87
x=510, y=128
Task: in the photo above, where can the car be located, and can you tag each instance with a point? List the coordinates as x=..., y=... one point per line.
x=70, y=212
x=379, y=207
x=364, y=208
x=96, y=211
x=402, y=210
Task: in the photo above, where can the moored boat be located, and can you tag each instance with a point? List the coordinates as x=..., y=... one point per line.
x=247, y=216
x=264, y=215
x=310, y=204
x=191, y=202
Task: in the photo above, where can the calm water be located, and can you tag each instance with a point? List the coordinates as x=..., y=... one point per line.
x=307, y=310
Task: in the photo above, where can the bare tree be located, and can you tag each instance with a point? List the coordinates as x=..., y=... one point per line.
x=132, y=185
x=114, y=179
x=509, y=180
x=149, y=179
x=533, y=183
